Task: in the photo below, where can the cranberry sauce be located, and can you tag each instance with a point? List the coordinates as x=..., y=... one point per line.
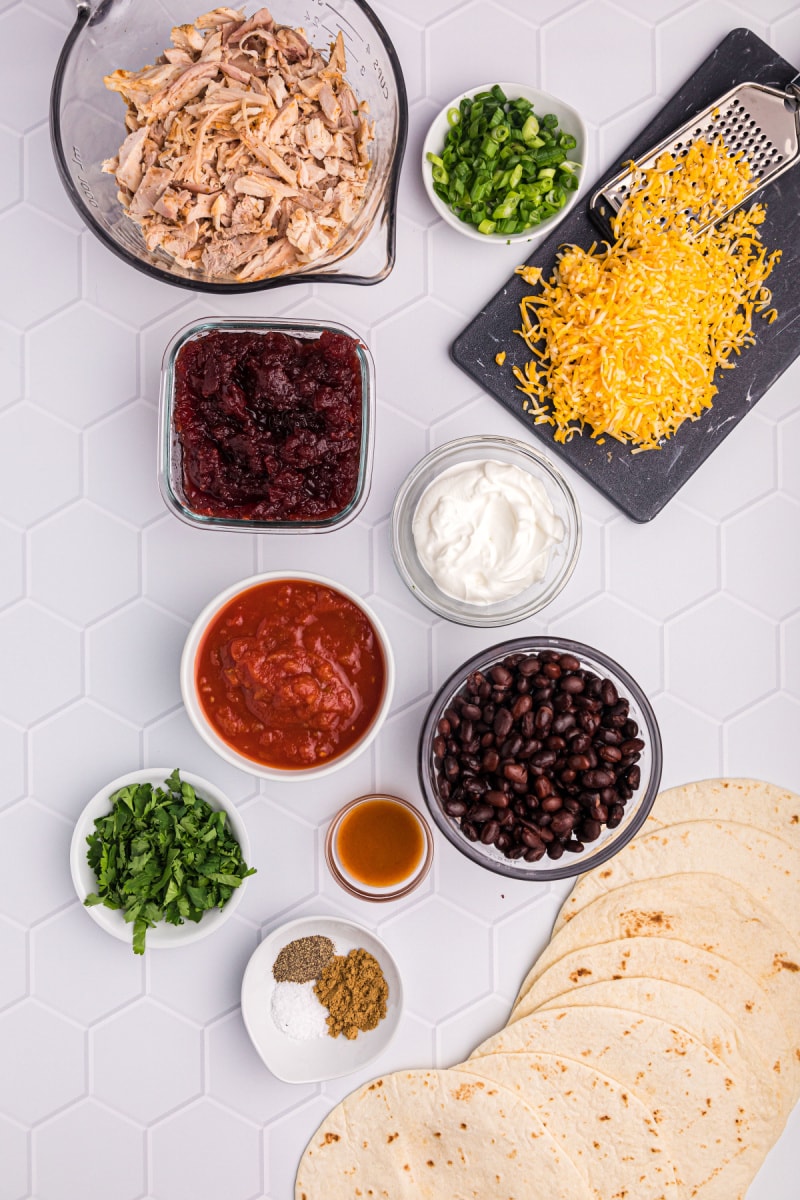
x=269, y=425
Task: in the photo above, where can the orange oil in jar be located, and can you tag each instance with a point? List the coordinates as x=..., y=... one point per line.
x=380, y=843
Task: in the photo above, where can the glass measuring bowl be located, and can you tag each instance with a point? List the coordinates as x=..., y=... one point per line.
x=87, y=126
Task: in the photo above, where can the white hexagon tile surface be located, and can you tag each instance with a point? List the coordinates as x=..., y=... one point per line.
x=122, y=1079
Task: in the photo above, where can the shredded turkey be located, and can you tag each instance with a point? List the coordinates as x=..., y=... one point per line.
x=247, y=154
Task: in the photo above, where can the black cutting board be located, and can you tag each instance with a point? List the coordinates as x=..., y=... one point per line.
x=641, y=484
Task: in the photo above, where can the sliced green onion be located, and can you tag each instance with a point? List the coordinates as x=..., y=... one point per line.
x=487, y=227
x=530, y=128
x=453, y=117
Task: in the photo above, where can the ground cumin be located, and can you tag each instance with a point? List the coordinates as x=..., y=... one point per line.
x=354, y=991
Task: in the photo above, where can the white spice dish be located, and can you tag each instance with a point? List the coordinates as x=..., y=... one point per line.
x=315, y=1059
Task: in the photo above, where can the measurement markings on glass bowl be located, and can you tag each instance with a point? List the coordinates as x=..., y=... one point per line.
x=85, y=186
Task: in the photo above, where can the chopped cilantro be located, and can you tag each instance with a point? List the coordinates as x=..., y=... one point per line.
x=163, y=855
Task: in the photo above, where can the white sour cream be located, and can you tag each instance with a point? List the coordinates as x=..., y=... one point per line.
x=483, y=531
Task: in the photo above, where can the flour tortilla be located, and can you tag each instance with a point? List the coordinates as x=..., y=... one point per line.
x=611, y=1136
x=694, y=1014
x=748, y=801
x=702, y=910
x=764, y=865
x=427, y=1135
x=713, y=1119
x=642, y=959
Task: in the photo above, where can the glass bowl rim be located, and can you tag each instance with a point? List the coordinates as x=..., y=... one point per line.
x=85, y=17
x=486, y=616
x=579, y=863
x=296, y=326
x=363, y=891
x=215, y=742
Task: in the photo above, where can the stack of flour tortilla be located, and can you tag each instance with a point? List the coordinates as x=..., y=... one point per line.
x=652, y=1053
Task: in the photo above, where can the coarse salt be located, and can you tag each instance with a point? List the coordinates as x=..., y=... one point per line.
x=297, y=1012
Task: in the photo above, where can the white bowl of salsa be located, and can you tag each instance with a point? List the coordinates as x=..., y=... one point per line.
x=288, y=676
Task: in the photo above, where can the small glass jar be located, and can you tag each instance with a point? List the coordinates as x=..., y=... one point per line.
x=170, y=468
x=365, y=891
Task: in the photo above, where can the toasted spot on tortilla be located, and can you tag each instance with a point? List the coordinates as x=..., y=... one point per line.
x=391, y=1138
x=786, y=964
x=465, y=1091
x=331, y=1137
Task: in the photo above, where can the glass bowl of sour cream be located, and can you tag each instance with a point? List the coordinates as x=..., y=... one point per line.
x=485, y=531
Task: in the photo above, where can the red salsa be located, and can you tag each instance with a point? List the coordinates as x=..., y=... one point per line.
x=290, y=673
x=269, y=425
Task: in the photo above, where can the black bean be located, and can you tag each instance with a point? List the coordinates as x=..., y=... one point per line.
x=489, y=833
x=529, y=666
x=454, y=808
x=536, y=752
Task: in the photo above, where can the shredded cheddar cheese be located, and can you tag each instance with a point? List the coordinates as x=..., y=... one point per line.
x=626, y=338
x=500, y=357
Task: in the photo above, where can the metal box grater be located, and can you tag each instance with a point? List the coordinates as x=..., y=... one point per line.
x=762, y=122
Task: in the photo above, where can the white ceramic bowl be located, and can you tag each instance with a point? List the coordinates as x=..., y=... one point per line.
x=210, y=735
x=85, y=880
x=321, y=1058
x=569, y=121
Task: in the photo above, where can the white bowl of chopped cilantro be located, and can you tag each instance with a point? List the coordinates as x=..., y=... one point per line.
x=159, y=858
x=504, y=162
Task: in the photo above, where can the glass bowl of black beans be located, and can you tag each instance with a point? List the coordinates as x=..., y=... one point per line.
x=540, y=758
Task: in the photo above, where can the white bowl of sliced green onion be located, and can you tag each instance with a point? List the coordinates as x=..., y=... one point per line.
x=504, y=162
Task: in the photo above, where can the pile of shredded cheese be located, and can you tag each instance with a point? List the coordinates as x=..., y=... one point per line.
x=627, y=338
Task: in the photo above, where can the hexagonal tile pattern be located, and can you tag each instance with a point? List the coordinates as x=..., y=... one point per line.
x=85, y=563
x=691, y=741
x=12, y=581
x=187, y=591
x=34, y=862
x=789, y=443
x=758, y=743
x=103, y=973
x=25, y=86
x=620, y=629
x=77, y=752
x=205, y=1152
x=238, y=1079
x=133, y=495
x=280, y=836
x=113, y=650
x=44, y=1062
x=489, y=31
x=34, y=447
x=14, y=956
x=10, y=367
x=43, y=186
x=11, y=185
x=89, y=1151
x=627, y=59
x=127, y=1078
x=656, y=583
x=204, y=980
x=12, y=755
x=14, y=1157
x=439, y=983
x=721, y=657
x=45, y=680
x=104, y=351
x=28, y=301
x=157, y=1053
x=770, y=579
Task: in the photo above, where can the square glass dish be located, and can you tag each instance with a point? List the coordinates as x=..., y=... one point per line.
x=170, y=452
